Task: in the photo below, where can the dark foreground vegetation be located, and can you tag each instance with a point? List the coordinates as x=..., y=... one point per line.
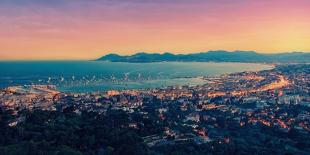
x=172, y=120
x=56, y=133
x=46, y=132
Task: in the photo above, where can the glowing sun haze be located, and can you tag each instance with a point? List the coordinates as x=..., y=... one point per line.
x=86, y=29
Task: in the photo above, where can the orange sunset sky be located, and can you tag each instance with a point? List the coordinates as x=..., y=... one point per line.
x=87, y=29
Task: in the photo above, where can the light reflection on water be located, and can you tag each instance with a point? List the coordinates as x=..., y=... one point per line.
x=82, y=76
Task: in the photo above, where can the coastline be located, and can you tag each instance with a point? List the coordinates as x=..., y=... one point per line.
x=132, y=83
x=202, y=80
x=246, y=102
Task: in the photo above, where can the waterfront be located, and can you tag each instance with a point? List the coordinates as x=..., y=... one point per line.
x=88, y=76
x=234, y=113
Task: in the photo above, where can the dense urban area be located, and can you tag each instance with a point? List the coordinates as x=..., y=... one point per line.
x=265, y=112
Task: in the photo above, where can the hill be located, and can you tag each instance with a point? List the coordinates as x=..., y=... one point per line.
x=214, y=56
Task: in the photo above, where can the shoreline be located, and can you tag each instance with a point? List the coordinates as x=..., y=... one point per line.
x=174, y=81
x=246, y=100
x=204, y=80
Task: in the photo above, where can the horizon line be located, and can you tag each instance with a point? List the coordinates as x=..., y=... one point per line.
x=162, y=52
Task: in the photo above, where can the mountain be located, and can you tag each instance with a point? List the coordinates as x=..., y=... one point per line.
x=215, y=56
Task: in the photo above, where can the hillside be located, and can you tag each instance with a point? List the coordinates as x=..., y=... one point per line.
x=214, y=56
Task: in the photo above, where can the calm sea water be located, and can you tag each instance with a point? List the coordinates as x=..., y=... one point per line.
x=87, y=76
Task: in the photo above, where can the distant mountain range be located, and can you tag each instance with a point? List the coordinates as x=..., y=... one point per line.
x=213, y=56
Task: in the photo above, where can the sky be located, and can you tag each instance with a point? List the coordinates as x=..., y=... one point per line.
x=87, y=29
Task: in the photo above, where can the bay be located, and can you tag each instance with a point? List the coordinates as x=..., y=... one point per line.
x=89, y=76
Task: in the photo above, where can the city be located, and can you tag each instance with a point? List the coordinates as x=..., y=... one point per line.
x=266, y=111
x=154, y=77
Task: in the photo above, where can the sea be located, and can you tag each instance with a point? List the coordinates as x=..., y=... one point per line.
x=90, y=76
